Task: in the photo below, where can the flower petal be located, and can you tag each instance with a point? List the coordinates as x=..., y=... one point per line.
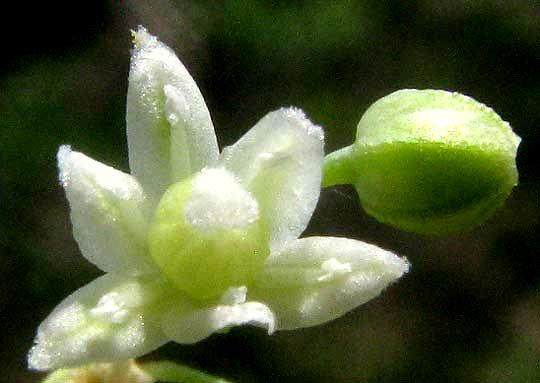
x=317, y=279
x=189, y=324
x=279, y=160
x=169, y=129
x=107, y=213
x=114, y=317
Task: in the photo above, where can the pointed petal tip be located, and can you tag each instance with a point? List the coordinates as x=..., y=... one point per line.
x=405, y=266
x=36, y=360
x=395, y=265
x=395, y=269
x=64, y=163
x=142, y=38
x=298, y=116
x=64, y=151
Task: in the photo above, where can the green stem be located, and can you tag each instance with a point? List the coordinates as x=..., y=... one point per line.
x=172, y=372
x=338, y=167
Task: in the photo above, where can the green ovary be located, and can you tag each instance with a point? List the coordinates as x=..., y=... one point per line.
x=204, y=261
x=432, y=188
x=428, y=161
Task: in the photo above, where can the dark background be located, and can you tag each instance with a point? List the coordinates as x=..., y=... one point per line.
x=469, y=311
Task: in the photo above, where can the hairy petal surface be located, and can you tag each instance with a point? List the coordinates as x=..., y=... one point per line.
x=279, y=161
x=317, y=279
x=169, y=129
x=107, y=212
x=112, y=318
x=190, y=324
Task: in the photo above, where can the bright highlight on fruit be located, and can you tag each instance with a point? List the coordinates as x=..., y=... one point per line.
x=429, y=162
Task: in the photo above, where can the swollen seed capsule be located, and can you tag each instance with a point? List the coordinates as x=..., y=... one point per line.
x=429, y=161
x=207, y=234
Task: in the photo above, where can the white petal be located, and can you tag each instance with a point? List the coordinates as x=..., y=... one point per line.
x=107, y=213
x=279, y=160
x=169, y=129
x=188, y=324
x=317, y=279
x=234, y=296
x=114, y=317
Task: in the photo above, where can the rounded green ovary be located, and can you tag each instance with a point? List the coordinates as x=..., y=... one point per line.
x=432, y=188
x=203, y=263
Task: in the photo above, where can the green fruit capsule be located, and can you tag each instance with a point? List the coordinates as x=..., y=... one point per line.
x=429, y=162
x=207, y=235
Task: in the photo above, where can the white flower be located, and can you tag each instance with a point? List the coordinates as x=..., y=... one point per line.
x=194, y=242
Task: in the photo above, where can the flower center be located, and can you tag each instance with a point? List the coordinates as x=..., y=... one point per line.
x=219, y=202
x=207, y=234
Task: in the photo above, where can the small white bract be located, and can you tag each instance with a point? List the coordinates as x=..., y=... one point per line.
x=194, y=242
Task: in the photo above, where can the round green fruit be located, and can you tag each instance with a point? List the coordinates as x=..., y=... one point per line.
x=429, y=162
